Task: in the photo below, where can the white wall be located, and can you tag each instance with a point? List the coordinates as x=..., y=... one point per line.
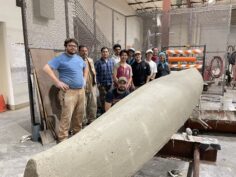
x=104, y=21
x=5, y=73
x=134, y=33
x=178, y=35
x=232, y=36
x=134, y=24
x=13, y=64
x=119, y=5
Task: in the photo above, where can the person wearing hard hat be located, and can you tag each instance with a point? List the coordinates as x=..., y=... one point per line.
x=152, y=64
x=162, y=67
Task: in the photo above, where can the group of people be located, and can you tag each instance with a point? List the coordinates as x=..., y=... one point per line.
x=114, y=77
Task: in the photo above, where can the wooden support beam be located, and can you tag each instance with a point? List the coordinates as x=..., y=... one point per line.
x=178, y=147
x=219, y=126
x=196, y=161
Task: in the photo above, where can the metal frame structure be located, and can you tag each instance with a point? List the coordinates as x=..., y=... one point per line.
x=151, y=5
x=189, y=47
x=34, y=125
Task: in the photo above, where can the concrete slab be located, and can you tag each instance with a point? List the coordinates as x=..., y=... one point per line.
x=14, y=155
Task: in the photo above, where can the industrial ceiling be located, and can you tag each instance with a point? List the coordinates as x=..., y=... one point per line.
x=150, y=5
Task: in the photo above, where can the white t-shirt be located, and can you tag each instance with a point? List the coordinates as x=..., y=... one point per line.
x=153, y=67
x=116, y=58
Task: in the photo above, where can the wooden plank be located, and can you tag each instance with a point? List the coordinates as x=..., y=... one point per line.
x=48, y=91
x=180, y=148
x=220, y=126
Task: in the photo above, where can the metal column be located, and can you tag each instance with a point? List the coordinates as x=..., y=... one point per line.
x=165, y=23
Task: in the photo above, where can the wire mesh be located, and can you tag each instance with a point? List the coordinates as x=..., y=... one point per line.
x=43, y=32
x=95, y=25
x=208, y=26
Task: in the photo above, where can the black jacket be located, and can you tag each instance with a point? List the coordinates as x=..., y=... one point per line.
x=140, y=73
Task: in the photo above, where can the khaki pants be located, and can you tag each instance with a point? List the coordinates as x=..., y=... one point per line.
x=234, y=72
x=72, y=104
x=90, y=106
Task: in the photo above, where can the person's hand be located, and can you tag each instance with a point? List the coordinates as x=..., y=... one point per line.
x=132, y=88
x=62, y=85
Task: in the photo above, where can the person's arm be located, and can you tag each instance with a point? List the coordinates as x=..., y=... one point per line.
x=115, y=74
x=148, y=78
x=108, y=101
x=107, y=106
x=154, y=71
x=153, y=76
x=130, y=76
x=168, y=68
x=58, y=83
x=97, y=72
x=148, y=72
x=85, y=72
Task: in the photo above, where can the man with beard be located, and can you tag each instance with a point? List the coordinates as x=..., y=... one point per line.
x=90, y=89
x=116, y=94
x=72, y=78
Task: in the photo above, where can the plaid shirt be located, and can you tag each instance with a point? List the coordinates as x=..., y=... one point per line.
x=104, y=70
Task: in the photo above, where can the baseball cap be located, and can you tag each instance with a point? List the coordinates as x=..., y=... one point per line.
x=162, y=54
x=122, y=79
x=137, y=52
x=132, y=49
x=149, y=51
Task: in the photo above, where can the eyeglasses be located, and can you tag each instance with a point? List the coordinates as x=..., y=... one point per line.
x=75, y=46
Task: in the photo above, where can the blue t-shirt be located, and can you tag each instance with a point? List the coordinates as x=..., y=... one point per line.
x=70, y=69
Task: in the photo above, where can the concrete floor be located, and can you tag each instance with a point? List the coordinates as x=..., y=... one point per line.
x=14, y=155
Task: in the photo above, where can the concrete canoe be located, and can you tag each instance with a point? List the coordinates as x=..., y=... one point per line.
x=119, y=142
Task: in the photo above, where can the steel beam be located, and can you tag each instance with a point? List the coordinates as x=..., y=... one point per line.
x=165, y=21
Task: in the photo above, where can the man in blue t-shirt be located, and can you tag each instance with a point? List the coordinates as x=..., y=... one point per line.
x=72, y=78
